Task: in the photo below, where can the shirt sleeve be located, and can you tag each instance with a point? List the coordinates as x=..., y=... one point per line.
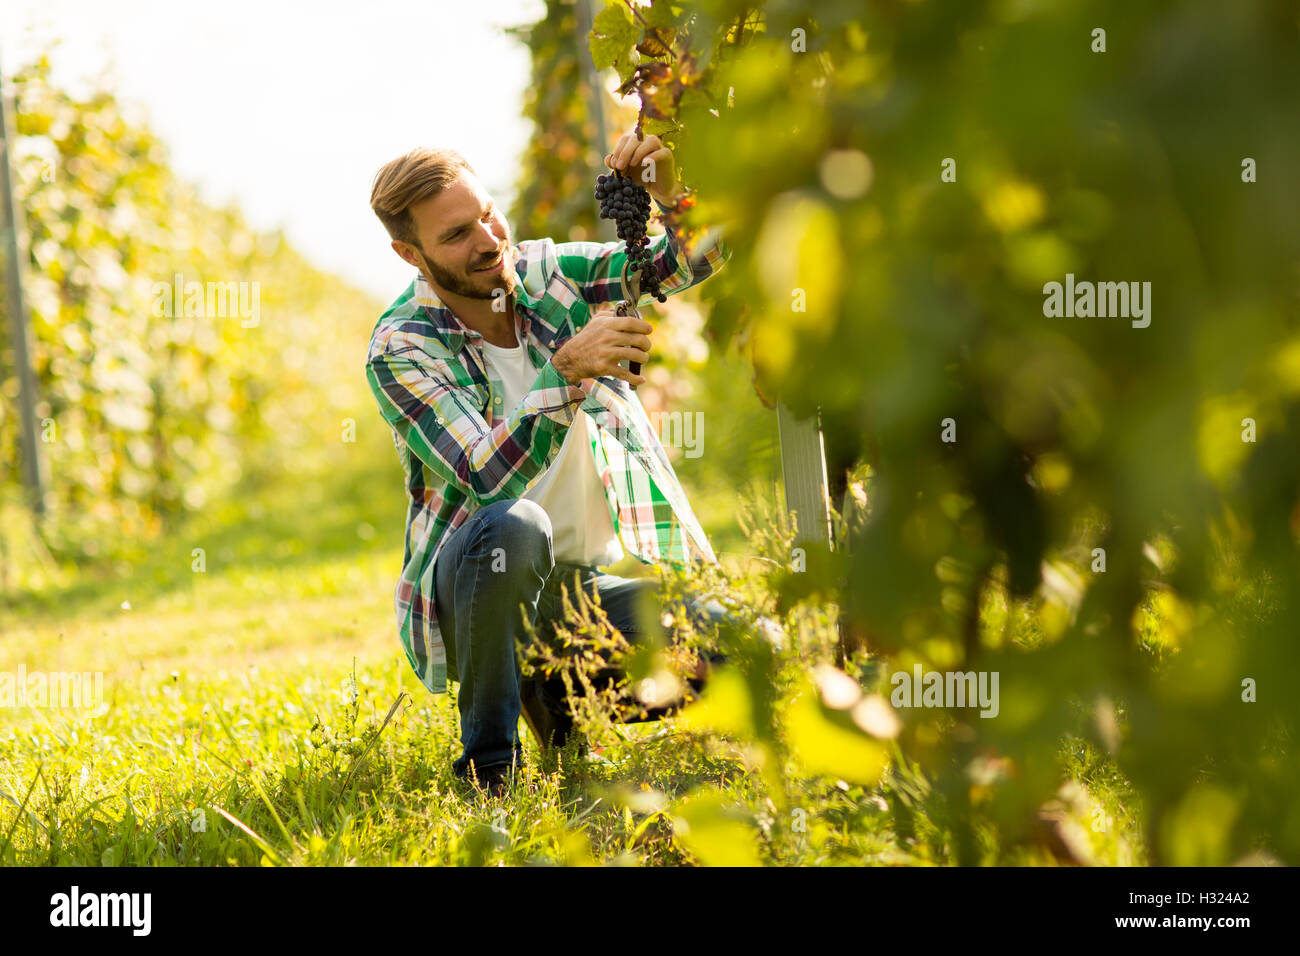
x=440, y=422
x=597, y=267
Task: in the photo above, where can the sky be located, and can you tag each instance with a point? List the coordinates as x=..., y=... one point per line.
x=289, y=108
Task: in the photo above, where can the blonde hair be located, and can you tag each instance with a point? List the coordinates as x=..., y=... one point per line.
x=420, y=174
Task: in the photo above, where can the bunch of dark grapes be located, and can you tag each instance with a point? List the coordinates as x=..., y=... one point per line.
x=628, y=204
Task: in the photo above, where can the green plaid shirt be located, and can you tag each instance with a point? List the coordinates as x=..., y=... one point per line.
x=461, y=450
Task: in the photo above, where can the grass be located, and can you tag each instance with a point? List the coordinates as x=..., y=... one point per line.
x=259, y=712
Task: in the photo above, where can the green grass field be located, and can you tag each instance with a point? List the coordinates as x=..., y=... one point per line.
x=243, y=716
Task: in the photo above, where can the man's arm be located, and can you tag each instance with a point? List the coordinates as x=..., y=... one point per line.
x=597, y=267
x=440, y=422
x=439, y=419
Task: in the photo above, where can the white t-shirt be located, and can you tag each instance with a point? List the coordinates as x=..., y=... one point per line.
x=569, y=490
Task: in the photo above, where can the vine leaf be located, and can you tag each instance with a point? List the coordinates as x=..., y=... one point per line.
x=661, y=14
x=627, y=67
x=658, y=88
x=612, y=34
x=658, y=127
x=654, y=43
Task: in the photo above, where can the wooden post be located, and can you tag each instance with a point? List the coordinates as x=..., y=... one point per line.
x=33, y=462
x=803, y=469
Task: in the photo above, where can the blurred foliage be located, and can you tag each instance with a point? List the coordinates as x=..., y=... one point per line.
x=148, y=414
x=871, y=287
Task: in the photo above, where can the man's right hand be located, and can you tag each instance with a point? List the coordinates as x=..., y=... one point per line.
x=601, y=344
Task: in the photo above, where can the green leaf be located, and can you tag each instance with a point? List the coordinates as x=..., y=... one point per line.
x=725, y=707
x=695, y=100
x=662, y=13
x=715, y=833
x=626, y=66
x=823, y=747
x=657, y=127
x=612, y=34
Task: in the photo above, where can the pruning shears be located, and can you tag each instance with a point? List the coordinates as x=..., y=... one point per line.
x=631, y=295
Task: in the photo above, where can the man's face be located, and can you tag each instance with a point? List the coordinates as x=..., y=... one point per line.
x=460, y=232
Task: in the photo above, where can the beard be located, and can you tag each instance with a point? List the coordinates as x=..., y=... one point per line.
x=472, y=285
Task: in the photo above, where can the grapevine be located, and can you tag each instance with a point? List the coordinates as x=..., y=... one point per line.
x=628, y=204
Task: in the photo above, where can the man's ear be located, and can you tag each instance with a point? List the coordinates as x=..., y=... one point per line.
x=407, y=252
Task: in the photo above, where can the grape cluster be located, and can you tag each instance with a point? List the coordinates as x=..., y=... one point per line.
x=628, y=204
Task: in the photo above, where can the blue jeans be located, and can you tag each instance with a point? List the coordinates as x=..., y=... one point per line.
x=495, y=571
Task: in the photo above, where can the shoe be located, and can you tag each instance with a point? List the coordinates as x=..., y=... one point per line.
x=632, y=710
x=493, y=781
x=545, y=714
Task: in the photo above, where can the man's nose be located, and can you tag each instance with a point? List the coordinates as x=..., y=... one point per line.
x=487, y=236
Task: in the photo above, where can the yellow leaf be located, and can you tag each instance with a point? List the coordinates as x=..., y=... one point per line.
x=1198, y=831
x=1219, y=444
x=1012, y=205
x=715, y=834
x=824, y=748
x=800, y=266
x=724, y=706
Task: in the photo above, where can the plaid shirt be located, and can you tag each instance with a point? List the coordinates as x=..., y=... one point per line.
x=461, y=450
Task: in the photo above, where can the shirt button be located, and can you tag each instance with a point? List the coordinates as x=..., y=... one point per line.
x=498, y=401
